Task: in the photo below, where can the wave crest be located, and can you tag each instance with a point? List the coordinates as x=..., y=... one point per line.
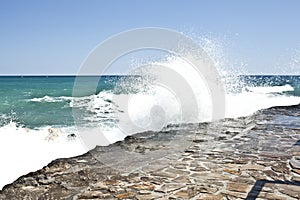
x=271, y=89
x=48, y=99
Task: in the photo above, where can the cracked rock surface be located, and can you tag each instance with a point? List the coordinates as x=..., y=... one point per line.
x=255, y=157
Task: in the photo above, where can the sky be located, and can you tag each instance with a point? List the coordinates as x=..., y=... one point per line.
x=55, y=36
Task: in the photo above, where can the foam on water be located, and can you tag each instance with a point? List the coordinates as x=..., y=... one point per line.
x=271, y=89
x=241, y=100
x=49, y=99
x=24, y=150
x=247, y=103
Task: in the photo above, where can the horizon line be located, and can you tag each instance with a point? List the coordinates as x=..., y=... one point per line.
x=74, y=75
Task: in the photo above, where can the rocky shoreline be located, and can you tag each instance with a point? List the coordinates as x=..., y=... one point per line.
x=256, y=157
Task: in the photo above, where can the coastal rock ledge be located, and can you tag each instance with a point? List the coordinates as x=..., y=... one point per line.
x=255, y=157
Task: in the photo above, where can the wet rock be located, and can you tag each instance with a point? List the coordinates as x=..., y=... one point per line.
x=126, y=195
x=206, y=189
x=180, y=165
x=238, y=187
x=100, y=186
x=164, y=174
x=93, y=195
x=143, y=186
x=143, y=192
x=30, y=181
x=230, y=194
x=181, y=179
x=273, y=196
x=110, y=182
x=232, y=171
x=280, y=168
x=271, y=174
x=170, y=187
x=297, y=171
x=199, y=141
x=186, y=194
x=45, y=180
x=253, y=167
x=224, y=160
x=295, y=163
x=290, y=190
x=182, y=194
x=211, y=197
x=151, y=196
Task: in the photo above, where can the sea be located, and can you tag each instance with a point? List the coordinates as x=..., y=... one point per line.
x=41, y=118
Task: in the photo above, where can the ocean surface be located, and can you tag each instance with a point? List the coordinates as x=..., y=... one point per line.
x=37, y=102
x=40, y=116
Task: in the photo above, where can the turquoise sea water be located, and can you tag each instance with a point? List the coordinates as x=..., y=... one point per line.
x=38, y=114
x=37, y=101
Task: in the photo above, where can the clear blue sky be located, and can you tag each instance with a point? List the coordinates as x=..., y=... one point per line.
x=55, y=36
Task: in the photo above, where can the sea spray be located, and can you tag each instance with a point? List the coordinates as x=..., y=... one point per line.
x=33, y=108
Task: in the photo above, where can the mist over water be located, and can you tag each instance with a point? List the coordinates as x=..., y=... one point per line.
x=37, y=121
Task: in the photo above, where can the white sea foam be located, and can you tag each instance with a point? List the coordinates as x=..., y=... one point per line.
x=271, y=89
x=49, y=99
x=247, y=103
x=24, y=150
x=238, y=104
x=139, y=115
